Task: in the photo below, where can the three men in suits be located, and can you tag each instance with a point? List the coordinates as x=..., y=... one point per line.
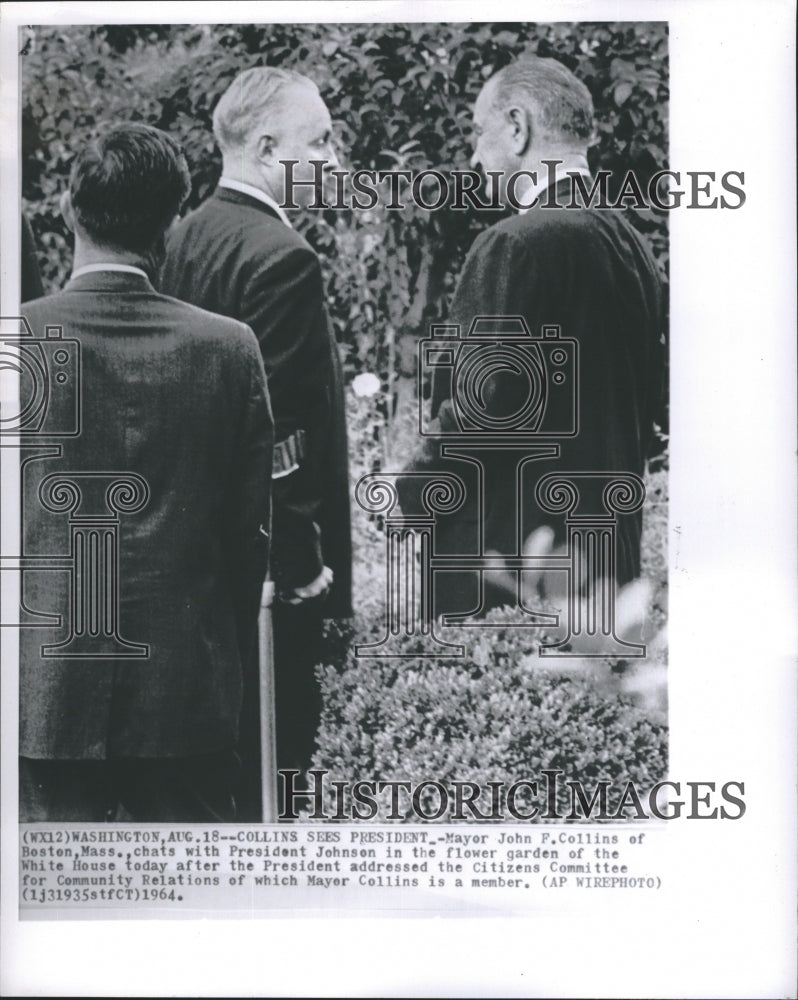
x=239, y=255
x=131, y=707
x=583, y=269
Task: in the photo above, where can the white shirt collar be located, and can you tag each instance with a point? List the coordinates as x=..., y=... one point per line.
x=254, y=192
x=561, y=172
x=91, y=268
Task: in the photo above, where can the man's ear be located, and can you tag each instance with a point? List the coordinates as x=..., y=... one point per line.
x=520, y=130
x=265, y=149
x=67, y=211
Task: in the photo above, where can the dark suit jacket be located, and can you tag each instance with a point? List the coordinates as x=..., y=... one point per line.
x=591, y=273
x=234, y=256
x=178, y=396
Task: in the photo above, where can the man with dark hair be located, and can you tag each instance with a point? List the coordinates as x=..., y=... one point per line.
x=124, y=185
x=238, y=255
x=130, y=705
x=584, y=270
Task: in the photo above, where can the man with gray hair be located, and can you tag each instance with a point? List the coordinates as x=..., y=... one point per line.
x=239, y=255
x=533, y=119
x=556, y=262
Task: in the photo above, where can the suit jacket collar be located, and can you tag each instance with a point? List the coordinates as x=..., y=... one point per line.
x=110, y=281
x=562, y=190
x=241, y=198
x=557, y=195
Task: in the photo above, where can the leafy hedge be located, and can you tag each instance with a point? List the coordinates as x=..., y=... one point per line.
x=401, y=96
x=495, y=715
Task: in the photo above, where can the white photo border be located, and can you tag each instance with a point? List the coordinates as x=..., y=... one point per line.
x=724, y=925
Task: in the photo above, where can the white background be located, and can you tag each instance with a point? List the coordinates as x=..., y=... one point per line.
x=724, y=926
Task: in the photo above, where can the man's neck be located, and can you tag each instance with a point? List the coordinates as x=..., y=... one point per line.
x=255, y=192
x=547, y=168
x=88, y=253
x=236, y=171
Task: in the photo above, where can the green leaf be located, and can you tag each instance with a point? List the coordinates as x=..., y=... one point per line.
x=622, y=92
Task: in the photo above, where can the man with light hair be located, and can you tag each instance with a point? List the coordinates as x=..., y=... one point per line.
x=267, y=116
x=239, y=255
x=583, y=269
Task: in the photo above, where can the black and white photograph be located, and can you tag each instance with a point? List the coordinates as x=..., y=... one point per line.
x=494, y=476
x=380, y=418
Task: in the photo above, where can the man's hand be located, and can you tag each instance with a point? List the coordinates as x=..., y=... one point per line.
x=316, y=588
x=643, y=680
x=550, y=591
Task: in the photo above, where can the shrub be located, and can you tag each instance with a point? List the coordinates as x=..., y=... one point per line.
x=494, y=715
